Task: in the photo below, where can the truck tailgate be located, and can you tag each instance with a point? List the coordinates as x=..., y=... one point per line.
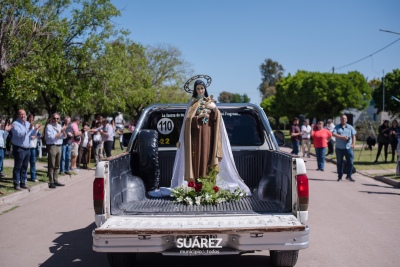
x=198, y=225
x=237, y=233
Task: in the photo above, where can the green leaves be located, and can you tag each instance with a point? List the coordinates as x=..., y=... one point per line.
x=226, y=97
x=391, y=85
x=320, y=95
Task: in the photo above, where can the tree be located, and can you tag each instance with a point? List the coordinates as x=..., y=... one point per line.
x=271, y=72
x=83, y=65
x=59, y=64
x=168, y=71
x=71, y=61
x=226, y=97
x=391, y=83
x=374, y=83
x=321, y=95
x=270, y=107
x=24, y=25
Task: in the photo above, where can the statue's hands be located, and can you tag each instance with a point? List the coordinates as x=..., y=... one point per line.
x=204, y=113
x=210, y=105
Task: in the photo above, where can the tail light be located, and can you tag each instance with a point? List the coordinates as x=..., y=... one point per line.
x=98, y=195
x=303, y=191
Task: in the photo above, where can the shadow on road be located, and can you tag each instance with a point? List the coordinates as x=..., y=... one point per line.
x=322, y=180
x=74, y=248
x=376, y=185
x=156, y=260
x=380, y=193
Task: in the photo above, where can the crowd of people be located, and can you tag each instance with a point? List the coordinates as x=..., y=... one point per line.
x=344, y=136
x=70, y=145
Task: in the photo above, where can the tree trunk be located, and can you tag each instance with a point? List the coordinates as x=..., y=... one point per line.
x=277, y=123
x=1, y=81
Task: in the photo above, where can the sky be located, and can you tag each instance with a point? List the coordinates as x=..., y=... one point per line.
x=229, y=39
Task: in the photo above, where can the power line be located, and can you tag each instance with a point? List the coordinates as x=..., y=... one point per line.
x=367, y=56
x=389, y=31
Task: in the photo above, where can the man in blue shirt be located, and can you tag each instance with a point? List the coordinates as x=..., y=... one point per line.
x=66, y=147
x=345, y=141
x=21, y=138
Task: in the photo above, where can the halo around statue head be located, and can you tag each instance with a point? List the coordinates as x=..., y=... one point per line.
x=187, y=84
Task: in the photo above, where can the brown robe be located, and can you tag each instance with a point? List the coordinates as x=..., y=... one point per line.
x=203, y=143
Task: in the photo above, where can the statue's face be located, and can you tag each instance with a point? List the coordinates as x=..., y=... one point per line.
x=200, y=89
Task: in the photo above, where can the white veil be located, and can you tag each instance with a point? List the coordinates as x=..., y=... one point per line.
x=228, y=176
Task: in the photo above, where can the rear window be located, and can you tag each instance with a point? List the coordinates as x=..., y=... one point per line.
x=241, y=127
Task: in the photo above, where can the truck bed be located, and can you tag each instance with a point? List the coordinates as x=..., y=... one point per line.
x=158, y=206
x=251, y=165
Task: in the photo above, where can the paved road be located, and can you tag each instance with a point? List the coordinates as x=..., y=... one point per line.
x=352, y=224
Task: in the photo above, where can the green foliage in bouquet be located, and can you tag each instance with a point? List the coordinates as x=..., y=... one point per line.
x=205, y=192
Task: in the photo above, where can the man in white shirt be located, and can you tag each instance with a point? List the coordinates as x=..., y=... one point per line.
x=54, y=139
x=107, y=135
x=85, y=147
x=305, y=138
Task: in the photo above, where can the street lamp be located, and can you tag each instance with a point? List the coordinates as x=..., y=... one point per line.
x=394, y=98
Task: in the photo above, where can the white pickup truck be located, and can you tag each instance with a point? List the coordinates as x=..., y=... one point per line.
x=130, y=221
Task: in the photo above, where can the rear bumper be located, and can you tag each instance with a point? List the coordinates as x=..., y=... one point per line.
x=238, y=234
x=167, y=244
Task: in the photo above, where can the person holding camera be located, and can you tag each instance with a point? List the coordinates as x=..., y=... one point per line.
x=383, y=140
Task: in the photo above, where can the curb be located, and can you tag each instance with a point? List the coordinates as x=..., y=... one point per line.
x=383, y=179
x=9, y=199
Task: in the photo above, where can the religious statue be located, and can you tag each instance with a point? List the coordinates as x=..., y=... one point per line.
x=203, y=145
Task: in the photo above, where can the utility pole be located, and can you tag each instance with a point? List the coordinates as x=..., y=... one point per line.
x=383, y=78
x=383, y=91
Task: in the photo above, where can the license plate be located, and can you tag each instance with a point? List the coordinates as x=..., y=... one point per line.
x=198, y=242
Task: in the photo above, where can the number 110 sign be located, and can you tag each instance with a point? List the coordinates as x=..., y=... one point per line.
x=165, y=126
